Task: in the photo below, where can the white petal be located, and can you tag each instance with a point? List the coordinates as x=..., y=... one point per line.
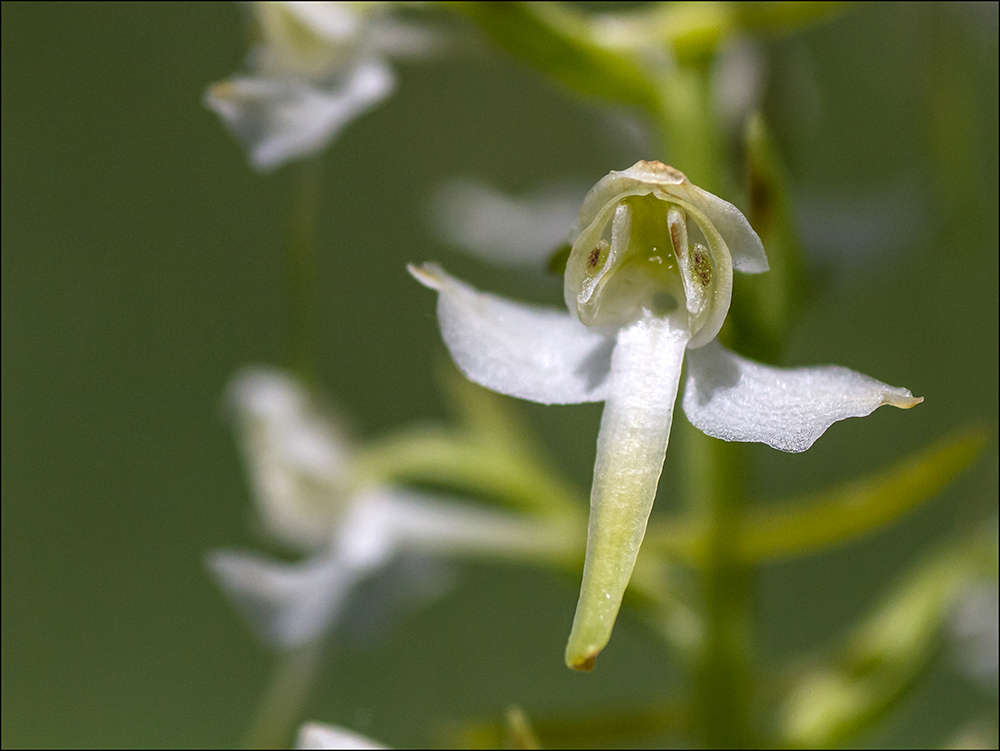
x=504, y=229
x=316, y=735
x=297, y=460
x=521, y=350
x=422, y=524
x=645, y=375
x=736, y=399
x=306, y=40
x=738, y=81
x=289, y=604
x=744, y=245
x=404, y=39
x=975, y=627
x=333, y=22
x=279, y=119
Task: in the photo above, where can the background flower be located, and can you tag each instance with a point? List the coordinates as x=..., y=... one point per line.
x=317, y=67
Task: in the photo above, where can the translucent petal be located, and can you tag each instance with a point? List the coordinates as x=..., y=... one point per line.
x=730, y=239
x=744, y=245
x=736, y=399
x=307, y=39
x=519, y=350
x=278, y=119
x=291, y=603
x=720, y=290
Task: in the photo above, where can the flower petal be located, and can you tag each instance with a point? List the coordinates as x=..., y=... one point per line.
x=421, y=524
x=520, y=350
x=289, y=604
x=317, y=735
x=743, y=243
x=504, y=229
x=645, y=375
x=298, y=461
x=307, y=39
x=279, y=119
x=735, y=399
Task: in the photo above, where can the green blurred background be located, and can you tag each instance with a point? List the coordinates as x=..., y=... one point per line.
x=142, y=267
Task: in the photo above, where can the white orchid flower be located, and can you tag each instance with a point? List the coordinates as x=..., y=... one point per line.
x=307, y=496
x=318, y=67
x=647, y=285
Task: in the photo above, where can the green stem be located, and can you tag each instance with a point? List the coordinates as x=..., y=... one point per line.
x=721, y=666
x=301, y=264
x=462, y=461
x=281, y=708
x=688, y=130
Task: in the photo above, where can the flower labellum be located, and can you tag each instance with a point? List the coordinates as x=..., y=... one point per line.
x=648, y=283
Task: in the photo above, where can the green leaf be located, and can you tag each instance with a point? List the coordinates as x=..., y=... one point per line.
x=806, y=525
x=556, y=41
x=883, y=656
x=852, y=510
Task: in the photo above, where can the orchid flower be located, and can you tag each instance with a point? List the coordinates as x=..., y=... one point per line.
x=648, y=285
x=318, y=66
x=309, y=496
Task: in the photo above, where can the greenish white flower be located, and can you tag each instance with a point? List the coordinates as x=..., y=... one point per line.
x=351, y=528
x=648, y=286
x=317, y=67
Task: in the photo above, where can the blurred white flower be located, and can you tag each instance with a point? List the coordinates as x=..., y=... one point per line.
x=317, y=67
x=297, y=458
x=738, y=81
x=975, y=626
x=648, y=285
x=308, y=495
x=975, y=623
x=317, y=735
x=505, y=229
